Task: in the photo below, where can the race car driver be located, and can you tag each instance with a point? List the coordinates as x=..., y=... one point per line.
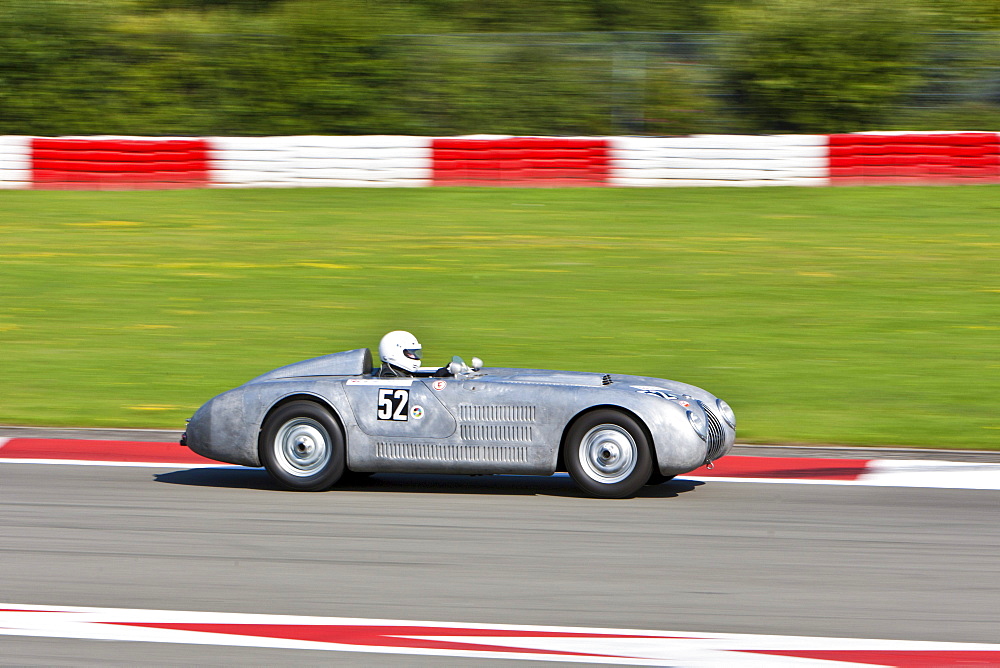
x=400, y=354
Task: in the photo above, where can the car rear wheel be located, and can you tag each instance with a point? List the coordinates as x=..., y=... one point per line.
x=608, y=455
x=302, y=447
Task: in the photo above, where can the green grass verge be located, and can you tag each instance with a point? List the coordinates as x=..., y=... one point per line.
x=850, y=315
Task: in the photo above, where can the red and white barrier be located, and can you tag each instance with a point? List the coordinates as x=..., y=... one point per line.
x=405, y=161
x=15, y=162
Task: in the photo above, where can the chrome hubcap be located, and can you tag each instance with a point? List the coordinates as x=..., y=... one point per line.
x=608, y=453
x=302, y=447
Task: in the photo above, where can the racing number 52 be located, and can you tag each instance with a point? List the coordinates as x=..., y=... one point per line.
x=393, y=404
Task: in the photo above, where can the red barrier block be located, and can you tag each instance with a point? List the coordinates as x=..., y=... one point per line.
x=521, y=161
x=841, y=151
x=950, y=157
x=844, y=171
x=109, y=164
x=841, y=162
x=843, y=140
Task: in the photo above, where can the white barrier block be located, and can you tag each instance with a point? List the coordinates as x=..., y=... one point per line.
x=716, y=142
x=251, y=143
x=733, y=159
x=15, y=162
x=630, y=182
x=702, y=174
x=15, y=145
x=819, y=162
x=360, y=174
x=360, y=183
x=245, y=176
x=322, y=160
x=347, y=153
x=244, y=155
x=255, y=184
x=707, y=163
x=374, y=164
x=803, y=173
x=779, y=153
x=247, y=165
x=362, y=141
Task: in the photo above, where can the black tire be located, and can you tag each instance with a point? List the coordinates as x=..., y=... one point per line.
x=657, y=478
x=608, y=455
x=354, y=477
x=302, y=447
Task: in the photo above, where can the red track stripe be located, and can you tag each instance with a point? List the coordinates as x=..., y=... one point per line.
x=100, y=451
x=733, y=466
x=784, y=468
x=388, y=636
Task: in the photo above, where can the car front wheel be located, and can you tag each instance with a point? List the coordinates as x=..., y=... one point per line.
x=608, y=455
x=302, y=447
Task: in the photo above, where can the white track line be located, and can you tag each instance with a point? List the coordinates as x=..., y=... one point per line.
x=924, y=473
x=493, y=641
x=879, y=472
x=897, y=473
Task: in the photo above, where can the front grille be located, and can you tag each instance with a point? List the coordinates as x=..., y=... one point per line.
x=716, y=437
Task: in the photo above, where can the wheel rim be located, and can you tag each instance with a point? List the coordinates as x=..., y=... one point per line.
x=302, y=447
x=608, y=453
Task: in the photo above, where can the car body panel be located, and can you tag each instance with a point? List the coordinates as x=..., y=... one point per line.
x=494, y=420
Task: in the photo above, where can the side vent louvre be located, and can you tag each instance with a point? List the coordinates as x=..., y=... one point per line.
x=496, y=432
x=496, y=413
x=451, y=453
x=606, y=379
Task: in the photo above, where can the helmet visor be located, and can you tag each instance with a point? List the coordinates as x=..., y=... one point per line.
x=412, y=353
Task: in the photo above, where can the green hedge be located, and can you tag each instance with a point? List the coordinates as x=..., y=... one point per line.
x=260, y=67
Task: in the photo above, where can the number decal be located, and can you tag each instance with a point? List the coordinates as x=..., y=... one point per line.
x=393, y=404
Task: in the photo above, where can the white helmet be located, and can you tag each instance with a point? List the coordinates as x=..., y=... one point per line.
x=400, y=349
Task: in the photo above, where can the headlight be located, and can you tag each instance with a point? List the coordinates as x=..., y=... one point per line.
x=727, y=412
x=697, y=423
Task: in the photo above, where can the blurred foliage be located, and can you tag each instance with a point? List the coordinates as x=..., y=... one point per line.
x=252, y=67
x=964, y=14
x=964, y=116
x=812, y=66
x=677, y=102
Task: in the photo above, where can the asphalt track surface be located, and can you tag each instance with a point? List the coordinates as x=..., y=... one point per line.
x=865, y=562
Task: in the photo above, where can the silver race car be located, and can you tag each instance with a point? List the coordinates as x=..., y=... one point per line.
x=312, y=422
